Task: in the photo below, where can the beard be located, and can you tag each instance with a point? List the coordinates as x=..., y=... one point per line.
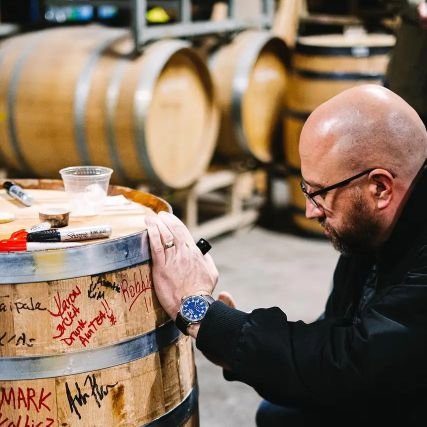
x=359, y=231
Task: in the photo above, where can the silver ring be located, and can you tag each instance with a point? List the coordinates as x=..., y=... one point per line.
x=169, y=245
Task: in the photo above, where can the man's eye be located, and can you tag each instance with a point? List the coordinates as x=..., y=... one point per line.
x=320, y=196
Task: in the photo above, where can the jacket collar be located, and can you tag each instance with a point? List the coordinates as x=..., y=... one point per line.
x=409, y=228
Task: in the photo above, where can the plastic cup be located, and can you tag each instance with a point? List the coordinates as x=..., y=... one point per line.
x=86, y=188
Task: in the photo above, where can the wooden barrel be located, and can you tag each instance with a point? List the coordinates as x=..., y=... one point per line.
x=250, y=78
x=323, y=66
x=77, y=96
x=83, y=339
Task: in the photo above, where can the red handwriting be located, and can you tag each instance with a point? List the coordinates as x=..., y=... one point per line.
x=24, y=398
x=67, y=303
x=74, y=328
x=75, y=333
x=25, y=422
x=133, y=289
x=86, y=329
x=66, y=310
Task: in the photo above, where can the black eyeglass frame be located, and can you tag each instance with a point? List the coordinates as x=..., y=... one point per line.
x=310, y=196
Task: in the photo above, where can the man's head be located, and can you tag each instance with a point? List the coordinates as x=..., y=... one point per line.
x=373, y=135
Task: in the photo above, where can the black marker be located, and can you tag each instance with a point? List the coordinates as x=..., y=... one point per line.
x=18, y=193
x=70, y=234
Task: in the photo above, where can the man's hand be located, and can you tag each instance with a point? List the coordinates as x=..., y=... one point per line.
x=227, y=299
x=422, y=14
x=180, y=269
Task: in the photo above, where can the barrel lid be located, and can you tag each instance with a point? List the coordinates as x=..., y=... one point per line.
x=127, y=246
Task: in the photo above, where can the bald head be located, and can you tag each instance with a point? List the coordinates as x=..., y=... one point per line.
x=363, y=127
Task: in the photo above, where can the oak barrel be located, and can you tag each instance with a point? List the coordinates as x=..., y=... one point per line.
x=83, y=339
x=323, y=66
x=78, y=95
x=250, y=78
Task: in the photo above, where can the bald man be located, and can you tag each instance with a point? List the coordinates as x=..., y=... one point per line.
x=364, y=362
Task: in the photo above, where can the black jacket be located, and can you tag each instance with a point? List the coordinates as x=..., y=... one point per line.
x=367, y=359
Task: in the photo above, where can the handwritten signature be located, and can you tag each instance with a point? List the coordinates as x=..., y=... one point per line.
x=80, y=398
x=96, y=290
x=133, y=289
x=66, y=310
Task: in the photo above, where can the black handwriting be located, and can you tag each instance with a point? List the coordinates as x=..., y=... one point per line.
x=80, y=399
x=95, y=290
x=31, y=306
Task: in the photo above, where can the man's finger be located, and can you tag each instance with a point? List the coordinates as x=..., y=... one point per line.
x=156, y=245
x=169, y=241
x=177, y=227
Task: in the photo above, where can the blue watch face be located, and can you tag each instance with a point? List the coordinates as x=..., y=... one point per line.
x=194, y=308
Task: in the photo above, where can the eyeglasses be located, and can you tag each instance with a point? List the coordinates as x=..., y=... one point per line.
x=311, y=196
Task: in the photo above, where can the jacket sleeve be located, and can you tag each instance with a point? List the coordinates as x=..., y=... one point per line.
x=330, y=360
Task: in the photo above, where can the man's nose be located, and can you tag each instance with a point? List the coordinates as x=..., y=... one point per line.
x=312, y=211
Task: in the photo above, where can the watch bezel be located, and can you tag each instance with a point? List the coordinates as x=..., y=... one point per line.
x=187, y=319
x=182, y=323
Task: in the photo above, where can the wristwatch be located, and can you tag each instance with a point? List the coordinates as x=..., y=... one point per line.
x=193, y=309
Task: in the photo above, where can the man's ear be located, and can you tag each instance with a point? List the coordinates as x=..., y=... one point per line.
x=381, y=187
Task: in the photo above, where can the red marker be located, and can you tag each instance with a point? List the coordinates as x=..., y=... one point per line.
x=23, y=233
x=41, y=237
x=11, y=245
x=23, y=245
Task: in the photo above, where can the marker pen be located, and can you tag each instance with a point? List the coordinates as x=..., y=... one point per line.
x=70, y=234
x=15, y=191
x=23, y=232
x=22, y=245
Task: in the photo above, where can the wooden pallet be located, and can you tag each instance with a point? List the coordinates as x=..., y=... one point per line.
x=221, y=201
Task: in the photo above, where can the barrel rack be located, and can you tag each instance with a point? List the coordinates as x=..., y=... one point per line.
x=223, y=200
x=186, y=27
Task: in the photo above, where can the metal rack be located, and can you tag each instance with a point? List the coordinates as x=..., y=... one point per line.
x=143, y=33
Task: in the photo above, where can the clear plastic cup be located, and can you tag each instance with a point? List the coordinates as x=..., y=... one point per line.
x=86, y=188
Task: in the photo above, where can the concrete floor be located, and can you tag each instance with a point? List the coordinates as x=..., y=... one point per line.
x=265, y=266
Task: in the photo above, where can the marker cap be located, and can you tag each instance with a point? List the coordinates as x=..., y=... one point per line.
x=13, y=245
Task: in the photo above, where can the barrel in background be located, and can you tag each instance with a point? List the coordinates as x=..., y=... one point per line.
x=77, y=95
x=84, y=340
x=323, y=66
x=250, y=78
